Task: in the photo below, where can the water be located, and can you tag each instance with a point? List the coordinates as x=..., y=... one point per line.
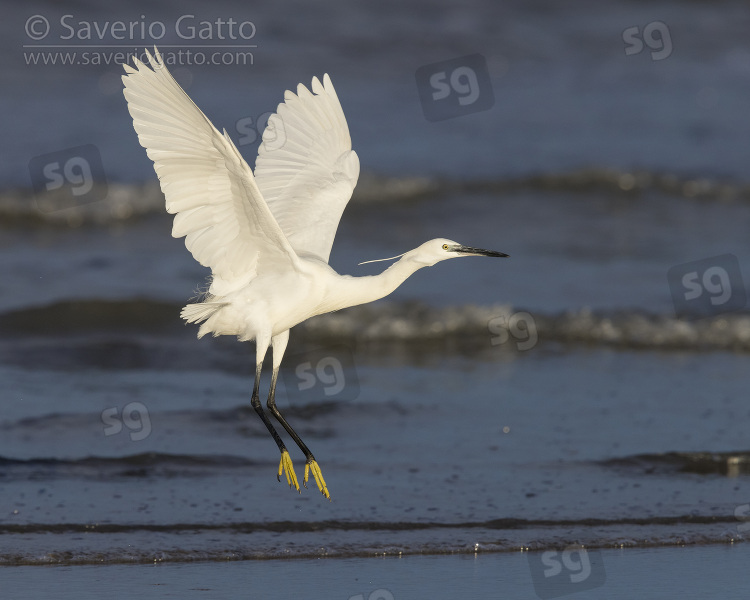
x=568, y=395
x=666, y=572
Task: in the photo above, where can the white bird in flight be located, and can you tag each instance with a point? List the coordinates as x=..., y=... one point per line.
x=266, y=236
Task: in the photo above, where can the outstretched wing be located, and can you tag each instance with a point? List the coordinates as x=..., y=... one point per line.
x=219, y=208
x=306, y=168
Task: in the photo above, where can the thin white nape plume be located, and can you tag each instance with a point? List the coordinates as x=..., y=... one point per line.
x=380, y=259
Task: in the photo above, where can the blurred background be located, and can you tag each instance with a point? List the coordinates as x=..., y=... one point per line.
x=590, y=389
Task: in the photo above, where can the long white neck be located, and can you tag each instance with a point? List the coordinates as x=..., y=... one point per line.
x=352, y=291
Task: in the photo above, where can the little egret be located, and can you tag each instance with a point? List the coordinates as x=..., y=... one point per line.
x=266, y=236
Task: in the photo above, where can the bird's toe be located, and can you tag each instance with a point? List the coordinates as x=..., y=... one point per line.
x=312, y=465
x=285, y=466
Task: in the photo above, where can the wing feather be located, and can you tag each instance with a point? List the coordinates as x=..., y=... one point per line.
x=306, y=168
x=218, y=207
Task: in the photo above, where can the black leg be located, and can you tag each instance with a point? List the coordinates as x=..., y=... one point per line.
x=271, y=404
x=310, y=462
x=286, y=462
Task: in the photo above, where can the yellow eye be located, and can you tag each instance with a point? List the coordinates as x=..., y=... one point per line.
x=445, y=246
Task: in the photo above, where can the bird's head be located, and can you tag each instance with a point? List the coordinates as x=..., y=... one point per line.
x=434, y=251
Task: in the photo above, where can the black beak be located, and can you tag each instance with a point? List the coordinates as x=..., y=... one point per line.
x=478, y=251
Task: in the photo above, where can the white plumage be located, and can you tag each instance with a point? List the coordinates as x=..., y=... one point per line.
x=266, y=236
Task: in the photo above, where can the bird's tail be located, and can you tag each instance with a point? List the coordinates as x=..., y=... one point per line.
x=199, y=312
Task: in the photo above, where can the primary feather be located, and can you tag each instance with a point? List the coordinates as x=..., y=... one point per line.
x=208, y=186
x=306, y=168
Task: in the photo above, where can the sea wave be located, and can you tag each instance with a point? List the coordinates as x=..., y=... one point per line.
x=124, y=202
x=482, y=328
x=730, y=464
x=167, y=466
x=233, y=535
x=98, y=468
x=113, y=543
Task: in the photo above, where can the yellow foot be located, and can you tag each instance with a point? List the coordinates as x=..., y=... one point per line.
x=312, y=465
x=285, y=466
